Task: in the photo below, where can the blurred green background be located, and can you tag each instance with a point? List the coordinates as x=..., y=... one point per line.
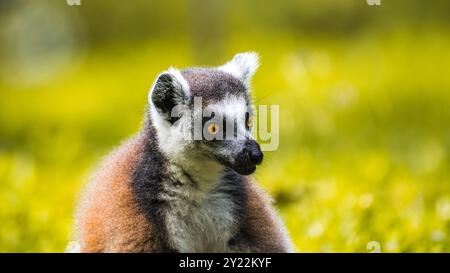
x=364, y=94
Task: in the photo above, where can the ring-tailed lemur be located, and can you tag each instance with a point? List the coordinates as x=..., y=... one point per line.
x=162, y=191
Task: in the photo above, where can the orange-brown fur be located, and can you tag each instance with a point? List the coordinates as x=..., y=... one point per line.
x=109, y=218
x=261, y=223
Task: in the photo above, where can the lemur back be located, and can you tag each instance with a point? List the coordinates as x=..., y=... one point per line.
x=160, y=192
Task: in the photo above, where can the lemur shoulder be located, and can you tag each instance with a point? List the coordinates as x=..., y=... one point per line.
x=162, y=191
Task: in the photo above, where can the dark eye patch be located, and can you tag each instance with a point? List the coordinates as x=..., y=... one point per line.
x=247, y=116
x=222, y=122
x=206, y=119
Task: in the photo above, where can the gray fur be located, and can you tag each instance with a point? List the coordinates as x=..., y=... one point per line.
x=213, y=85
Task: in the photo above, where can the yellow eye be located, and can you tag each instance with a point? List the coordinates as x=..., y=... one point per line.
x=249, y=122
x=213, y=128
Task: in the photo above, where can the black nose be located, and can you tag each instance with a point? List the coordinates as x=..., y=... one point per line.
x=254, y=152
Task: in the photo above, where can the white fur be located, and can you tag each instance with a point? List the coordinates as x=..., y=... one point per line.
x=184, y=84
x=172, y=137
x=243, y=66
x=201, y=217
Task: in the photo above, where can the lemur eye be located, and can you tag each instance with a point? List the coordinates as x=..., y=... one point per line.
x=213, y=128
x=249, y=121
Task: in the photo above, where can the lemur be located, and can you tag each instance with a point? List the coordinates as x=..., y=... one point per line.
x=162, y=191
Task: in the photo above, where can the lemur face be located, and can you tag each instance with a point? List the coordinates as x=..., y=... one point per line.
x=206, y=114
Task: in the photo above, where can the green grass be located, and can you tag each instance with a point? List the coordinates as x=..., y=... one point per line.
x=364, y=138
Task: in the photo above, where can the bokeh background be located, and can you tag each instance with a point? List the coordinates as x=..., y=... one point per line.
x=364, y=94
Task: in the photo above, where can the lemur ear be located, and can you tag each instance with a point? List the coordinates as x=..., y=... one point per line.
x=243, y=66
x=170, y=90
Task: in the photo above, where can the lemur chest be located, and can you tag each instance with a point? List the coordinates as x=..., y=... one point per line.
x=200, y=222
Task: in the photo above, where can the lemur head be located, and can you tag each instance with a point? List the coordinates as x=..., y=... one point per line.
x=206, y=114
